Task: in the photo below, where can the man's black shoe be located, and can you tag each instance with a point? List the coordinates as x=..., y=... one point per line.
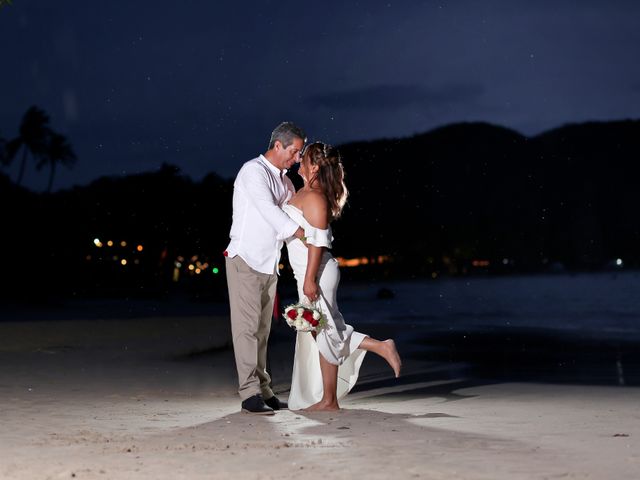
x=256, y=406
x=276, y=404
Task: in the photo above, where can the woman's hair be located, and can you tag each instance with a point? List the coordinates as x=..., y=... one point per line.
x=330, y=176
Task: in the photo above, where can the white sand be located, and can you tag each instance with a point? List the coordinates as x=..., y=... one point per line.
x=121, y=400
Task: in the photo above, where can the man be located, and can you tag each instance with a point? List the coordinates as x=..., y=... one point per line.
x=257, y=232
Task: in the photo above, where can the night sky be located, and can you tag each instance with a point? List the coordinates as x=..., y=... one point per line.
x=201, y=84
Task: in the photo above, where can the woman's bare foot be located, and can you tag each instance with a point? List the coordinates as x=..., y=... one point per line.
x=322, y=406
x=392, y=357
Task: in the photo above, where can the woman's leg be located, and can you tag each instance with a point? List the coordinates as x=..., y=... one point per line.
x=329, y=399
x=386, y=349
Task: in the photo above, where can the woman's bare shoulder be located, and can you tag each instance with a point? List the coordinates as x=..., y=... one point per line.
x=315, y=208
x=315, y=198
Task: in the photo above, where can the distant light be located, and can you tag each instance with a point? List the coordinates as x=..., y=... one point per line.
x=505, y=261
x=215, y=270
x=97, y=242
x=619, y=262
x=280, y=266
x=178, y=264
x=434, y=274
x=88, y=257
x=123, y=243
x=383, y=258
x=123, y=261
x=198, y=271
x=191, y=267
x=136, y=261
x=110, y=243
x=139, y=248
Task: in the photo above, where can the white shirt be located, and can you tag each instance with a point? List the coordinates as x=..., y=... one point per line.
x=259, y=225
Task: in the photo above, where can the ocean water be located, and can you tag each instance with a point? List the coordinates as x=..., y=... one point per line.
x=600, y=303
x=605, y=304
x=579, y=329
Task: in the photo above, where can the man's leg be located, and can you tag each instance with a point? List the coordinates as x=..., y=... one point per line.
x=246, y=288
x=268, y=297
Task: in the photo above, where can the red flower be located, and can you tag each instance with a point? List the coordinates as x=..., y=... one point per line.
x=314, y=322
x=225, y=253
x=292, y=314
x=308, y=316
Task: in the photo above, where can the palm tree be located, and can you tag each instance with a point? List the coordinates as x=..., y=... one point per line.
x=34, y=133
x=58, y=151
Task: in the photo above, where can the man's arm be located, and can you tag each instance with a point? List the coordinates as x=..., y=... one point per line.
x=255, y=182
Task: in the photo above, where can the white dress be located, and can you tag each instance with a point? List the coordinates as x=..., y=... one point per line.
x=338, y=343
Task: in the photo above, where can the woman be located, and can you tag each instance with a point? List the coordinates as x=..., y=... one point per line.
x=326, y=365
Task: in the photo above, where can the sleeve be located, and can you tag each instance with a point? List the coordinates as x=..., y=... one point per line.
x=318, y=237
x=255, y=182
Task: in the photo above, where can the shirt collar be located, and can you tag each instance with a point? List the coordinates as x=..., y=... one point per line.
x=272, y=167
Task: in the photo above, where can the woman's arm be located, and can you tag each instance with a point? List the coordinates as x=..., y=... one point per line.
x=315, y=210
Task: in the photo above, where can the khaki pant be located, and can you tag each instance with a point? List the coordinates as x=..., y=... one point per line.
x=251, y=297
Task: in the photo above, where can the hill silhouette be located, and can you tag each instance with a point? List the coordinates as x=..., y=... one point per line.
x=476, y=190
x=434, y=202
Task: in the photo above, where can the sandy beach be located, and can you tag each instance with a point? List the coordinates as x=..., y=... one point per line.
x=155, y=398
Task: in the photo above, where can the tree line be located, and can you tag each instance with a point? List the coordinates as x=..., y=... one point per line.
x=435, y=203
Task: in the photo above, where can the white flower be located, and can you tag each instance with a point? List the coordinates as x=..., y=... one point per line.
x=300, y=311
x=316, y=315
x=298, y=323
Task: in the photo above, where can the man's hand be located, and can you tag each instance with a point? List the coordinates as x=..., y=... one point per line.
x=299, y=234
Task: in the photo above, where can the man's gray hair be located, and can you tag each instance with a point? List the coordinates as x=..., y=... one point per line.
x=285, y=133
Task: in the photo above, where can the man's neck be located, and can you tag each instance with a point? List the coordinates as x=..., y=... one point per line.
x=269, y=156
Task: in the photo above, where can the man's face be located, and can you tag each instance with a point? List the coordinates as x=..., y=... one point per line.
x=290, y=155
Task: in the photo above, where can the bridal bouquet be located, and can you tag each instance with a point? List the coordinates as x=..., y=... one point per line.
x=305, y=317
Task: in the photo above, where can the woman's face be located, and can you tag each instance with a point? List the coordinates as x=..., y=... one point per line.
x=305, y=170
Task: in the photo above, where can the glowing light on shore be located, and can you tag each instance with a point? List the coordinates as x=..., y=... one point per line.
x=480, y=263
x=109, y=243
x=123, y=261
x=619, y=262
x=139, y=248
x=123, y=243
x=359, y=261
x=97, y=242
x=215, y=270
